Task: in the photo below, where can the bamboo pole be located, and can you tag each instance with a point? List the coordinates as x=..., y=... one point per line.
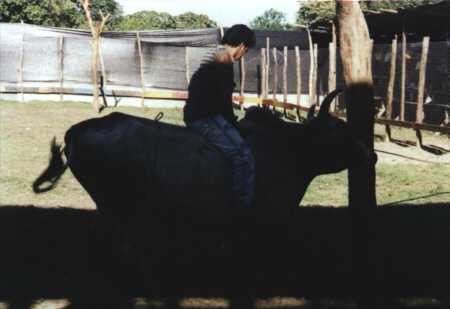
x=390, y=88
x=61, y=66
x=298, y=74
x=275, y=73
x=421, y=87
x=403, y=82
x=141, y=67
x=332, y=67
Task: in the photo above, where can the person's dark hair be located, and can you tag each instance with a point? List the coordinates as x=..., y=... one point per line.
x=239, y=34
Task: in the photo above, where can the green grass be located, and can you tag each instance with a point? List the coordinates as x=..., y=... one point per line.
x=26, y=131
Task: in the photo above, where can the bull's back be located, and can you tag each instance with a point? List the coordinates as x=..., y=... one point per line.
x=122, y=160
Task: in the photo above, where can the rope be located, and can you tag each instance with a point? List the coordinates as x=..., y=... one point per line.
x=410, y=158
x=416, y=198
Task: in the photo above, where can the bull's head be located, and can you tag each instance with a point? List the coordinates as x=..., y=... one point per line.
x=333, y=145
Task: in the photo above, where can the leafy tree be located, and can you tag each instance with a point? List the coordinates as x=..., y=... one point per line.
x=145, y=20
x=57, y=13
x=270, y=20
x=191, y=20
x=313, y=11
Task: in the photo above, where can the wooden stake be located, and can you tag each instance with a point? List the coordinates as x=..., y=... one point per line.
x=311, y=69
x=267, y=66
x=390, y=88
x=299, y=75
x=243, y=76
x=22, y=56
x=61, y=66
x=285, y=85
x=403, y=82
x=421, y=87
x=315, y=76
x=141, y=67
x=187, y=63
x=263, y=73
x=275, y=73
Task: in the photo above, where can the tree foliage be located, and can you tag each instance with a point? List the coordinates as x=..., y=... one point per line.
x=56, y=13
x=270, y=20
x=146, y=20
x=313, y=11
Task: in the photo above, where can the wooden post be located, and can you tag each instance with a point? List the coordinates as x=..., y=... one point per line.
x=332, y=67
x=188, y=65
x=285, y=85
x=356, y=57
x=102, y=63
x=141, y=67
x=403, y=82
x=243, y=77
x=263, y=73
x=421, y=88
x=22, y=56
x=275, y=73
x=298, y=74
x=61, y=66
x=311, y=69
x=267, y=65
x=390, y=89
x=315, y=76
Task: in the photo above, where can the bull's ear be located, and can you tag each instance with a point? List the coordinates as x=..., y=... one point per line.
x=311, y=112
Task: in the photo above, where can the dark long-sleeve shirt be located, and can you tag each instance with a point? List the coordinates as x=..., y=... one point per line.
x=210, y=92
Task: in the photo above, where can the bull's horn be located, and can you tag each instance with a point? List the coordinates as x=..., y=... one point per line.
x=325, y=106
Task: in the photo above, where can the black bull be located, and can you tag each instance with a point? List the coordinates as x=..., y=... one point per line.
x=126, y=162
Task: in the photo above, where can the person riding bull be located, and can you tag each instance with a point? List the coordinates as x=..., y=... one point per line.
x=209, y=109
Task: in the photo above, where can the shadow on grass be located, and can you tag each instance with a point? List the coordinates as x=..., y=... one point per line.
x=63, y=253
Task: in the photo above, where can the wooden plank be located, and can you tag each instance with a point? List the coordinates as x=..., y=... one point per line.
x=298, y=74
x=403, y=77
x=141, y=66
x=61, y=65
x=390, y=88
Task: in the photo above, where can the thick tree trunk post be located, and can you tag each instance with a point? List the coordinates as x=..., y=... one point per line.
x=285, y=86
x=356, y=56
x=390, y=89
x=403, y=82
x=243, y=77
x=311, y=69
x=141, y=67
x=421, y=88
x=332, y=67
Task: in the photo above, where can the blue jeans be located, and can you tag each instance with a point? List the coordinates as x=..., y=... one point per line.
x=224, y=136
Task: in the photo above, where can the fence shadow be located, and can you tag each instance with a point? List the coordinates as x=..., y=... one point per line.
x=62, y=253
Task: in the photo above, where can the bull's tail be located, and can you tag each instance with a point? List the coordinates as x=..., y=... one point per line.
x=53, y=172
